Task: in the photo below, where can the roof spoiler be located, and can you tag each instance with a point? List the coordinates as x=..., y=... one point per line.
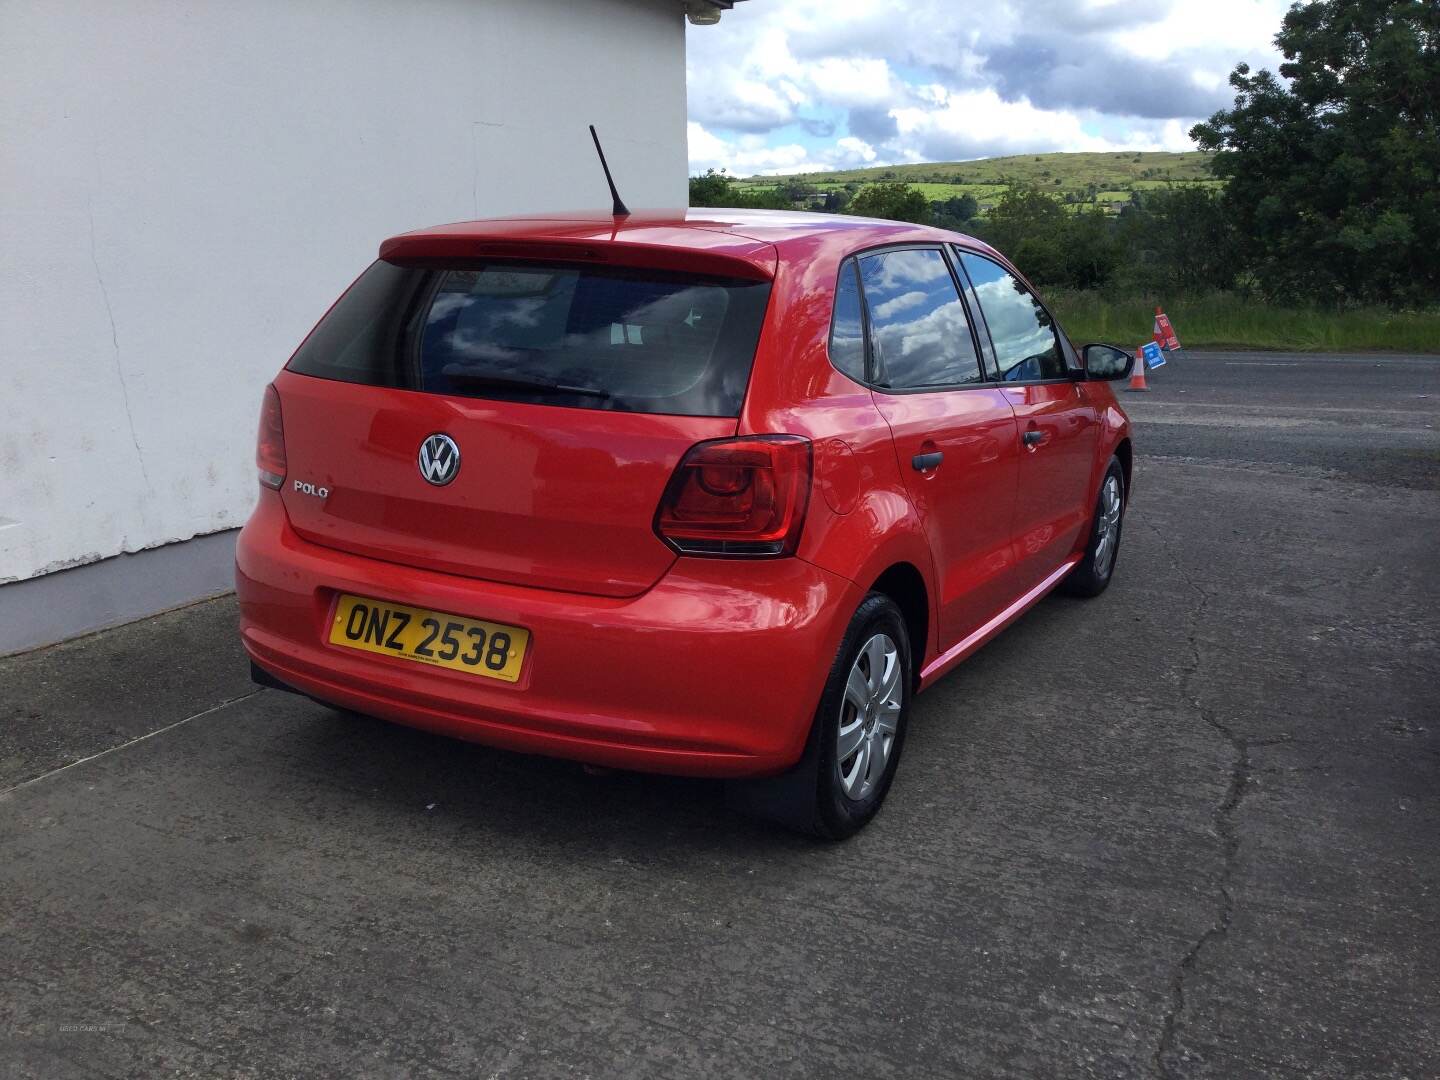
x=724, y=256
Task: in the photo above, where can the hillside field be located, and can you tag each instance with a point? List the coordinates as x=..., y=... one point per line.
x=1107, y=178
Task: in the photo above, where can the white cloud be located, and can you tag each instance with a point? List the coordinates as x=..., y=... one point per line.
x=852, y=81
x=978, y=123
x=743, y=156
x=749, y=91
x=855, y=152
x=751, y=155
x=1235, y=28
x=917, y=80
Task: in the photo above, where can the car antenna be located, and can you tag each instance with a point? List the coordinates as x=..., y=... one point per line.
x=620, y=210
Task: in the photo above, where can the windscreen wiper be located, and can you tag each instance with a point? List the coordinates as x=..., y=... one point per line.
x=522, y=382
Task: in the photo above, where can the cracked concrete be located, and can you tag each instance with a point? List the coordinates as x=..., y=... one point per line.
x=1230, y=840
x=1184, y=830
x=1223, y=818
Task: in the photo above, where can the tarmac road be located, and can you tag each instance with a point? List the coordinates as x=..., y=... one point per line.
x=1191, y=828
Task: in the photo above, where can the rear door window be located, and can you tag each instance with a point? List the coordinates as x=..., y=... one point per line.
x=919, y=332
x=1027, y=347
x=582, y=336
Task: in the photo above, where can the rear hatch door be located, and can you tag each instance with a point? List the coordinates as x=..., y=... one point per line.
x=564, y=392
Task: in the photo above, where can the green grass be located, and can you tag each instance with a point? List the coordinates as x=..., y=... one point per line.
x=939, y=192
x=1225, y=320
x=1150, y=185
x=1113, y=176
x=1074, y=171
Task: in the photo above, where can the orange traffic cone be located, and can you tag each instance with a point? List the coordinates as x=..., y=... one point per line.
x=1137, y=372
x=1165, y=335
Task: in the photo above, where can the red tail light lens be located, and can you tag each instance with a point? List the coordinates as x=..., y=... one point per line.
x=270, y=445
x=738, y=497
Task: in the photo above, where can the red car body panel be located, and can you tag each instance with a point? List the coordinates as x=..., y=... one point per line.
x=519, y=523
x=1053, y=495
x=967, y=505
x=640, y=657
x=683, y=641
x=663, y=244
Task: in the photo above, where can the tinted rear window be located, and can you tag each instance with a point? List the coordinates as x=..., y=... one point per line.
x=583, y=336
x=919, y=333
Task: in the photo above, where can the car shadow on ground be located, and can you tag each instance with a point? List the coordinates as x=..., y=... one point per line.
x=479, y=791
x=482, y=793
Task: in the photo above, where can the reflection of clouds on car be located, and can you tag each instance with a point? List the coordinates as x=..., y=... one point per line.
x=1014, y=323
x=526, y=313
x=919, y=330
x=901, y=270
x=900, y=303
x=906, y=349
x=464, y=345
x=629, y=336
x=447, y=304
x=1023, y=333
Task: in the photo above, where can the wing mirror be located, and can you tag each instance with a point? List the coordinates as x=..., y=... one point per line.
x=1107, y=362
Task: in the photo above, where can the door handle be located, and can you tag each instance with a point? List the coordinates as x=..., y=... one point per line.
x=1033, y=438
x=926, y=462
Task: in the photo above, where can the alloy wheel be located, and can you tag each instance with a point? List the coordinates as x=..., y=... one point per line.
x=869, y=716
x=1110, y=507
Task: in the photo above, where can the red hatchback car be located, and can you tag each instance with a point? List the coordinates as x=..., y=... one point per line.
x=710, y=493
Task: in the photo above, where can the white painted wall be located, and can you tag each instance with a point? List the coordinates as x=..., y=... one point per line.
x=184, y=189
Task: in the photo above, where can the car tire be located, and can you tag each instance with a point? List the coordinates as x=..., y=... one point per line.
x=856, y=735
x=1097, y=565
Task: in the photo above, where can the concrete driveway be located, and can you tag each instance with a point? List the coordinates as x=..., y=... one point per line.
x=1191, y=828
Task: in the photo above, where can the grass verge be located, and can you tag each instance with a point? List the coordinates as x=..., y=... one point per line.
x=1226, y=320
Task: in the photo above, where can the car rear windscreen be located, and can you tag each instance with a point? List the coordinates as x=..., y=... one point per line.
x=583, y=336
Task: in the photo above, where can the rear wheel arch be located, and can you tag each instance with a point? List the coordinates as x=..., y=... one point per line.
x=903, y=583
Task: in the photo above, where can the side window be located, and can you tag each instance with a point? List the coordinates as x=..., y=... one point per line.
x=1023, y=333
x=919, y=332
x=847, y=328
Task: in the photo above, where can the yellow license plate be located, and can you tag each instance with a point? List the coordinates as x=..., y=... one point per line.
x=493, y=650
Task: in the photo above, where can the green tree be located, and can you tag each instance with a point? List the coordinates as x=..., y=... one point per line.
x=1334, y=179
x=1178, y=239
x=1090, y=251
x=775, y=199
x=897, y=202
x=795, y=191
x=712, y=189
x=1052, y=245
x=1026, y=224
x=720, y=190
x=955, y=212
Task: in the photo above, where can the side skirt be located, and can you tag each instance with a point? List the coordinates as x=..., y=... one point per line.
x=952, y=656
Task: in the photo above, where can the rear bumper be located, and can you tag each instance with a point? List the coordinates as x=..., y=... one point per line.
x=714, y=671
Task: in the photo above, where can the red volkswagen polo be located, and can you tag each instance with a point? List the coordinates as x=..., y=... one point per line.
x=712, y=493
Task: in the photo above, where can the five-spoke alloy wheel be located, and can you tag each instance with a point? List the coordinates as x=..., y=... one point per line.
x=1097, y=565
x=869, y=716
x=1108, y=531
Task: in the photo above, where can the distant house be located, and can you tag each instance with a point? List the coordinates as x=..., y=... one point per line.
x=184, y=190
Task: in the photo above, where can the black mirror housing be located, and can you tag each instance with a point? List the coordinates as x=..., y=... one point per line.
x=1107, y=363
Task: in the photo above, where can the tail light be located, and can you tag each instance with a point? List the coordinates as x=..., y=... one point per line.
x=270, y=444
x=738, y=497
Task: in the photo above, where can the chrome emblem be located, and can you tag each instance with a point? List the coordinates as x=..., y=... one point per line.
x=439, y=459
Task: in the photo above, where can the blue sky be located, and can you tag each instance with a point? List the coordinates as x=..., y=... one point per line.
x=791, y=85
